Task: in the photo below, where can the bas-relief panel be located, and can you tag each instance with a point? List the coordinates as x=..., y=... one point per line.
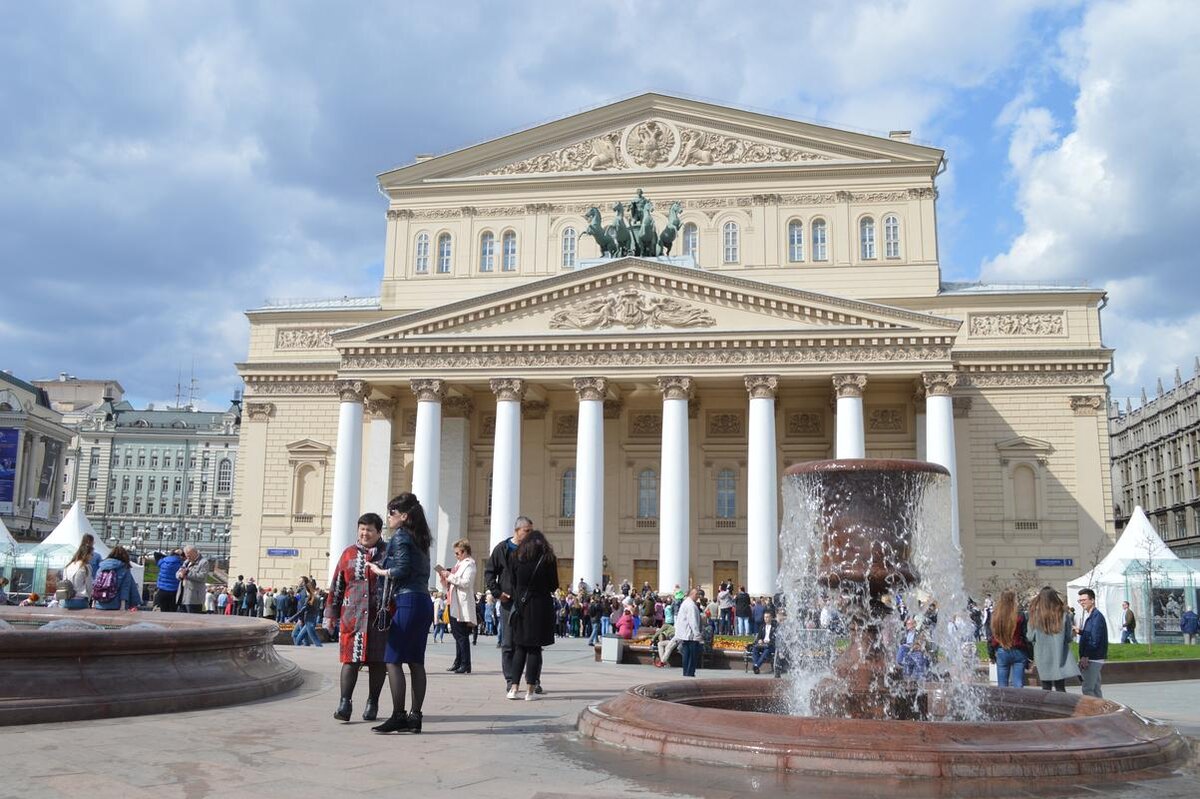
x=889, y=419
x=725, y=424
x=1016, y=324
x=804, y=423
x=645, y=424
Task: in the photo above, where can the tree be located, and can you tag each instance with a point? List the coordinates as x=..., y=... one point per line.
x=1149, y=565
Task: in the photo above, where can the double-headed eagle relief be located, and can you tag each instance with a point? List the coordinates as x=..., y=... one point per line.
x=639, y=234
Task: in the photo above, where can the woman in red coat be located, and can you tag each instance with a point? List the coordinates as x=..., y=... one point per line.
x=356, y=604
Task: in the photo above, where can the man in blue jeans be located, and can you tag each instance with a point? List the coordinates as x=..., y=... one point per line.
x=1093, y=643
x=687, y=632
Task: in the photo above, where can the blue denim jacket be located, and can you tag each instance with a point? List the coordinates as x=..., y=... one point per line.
x=407, y=565
x=1093, y=638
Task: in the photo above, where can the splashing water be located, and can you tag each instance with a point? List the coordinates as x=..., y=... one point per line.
x=861, y=539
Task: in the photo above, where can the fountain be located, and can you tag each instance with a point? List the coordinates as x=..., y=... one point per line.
x=868, y=534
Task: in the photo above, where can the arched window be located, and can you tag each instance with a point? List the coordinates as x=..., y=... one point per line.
x=487, y=252
x=731, y=243
x=508, y=252
x=891, y=236
x=820, y=249
x=224, y=477
x=726, y=494
x=568, y=248
x=691, y=241
x=1025, y=493
x=866, y=238
x=443, y=263
x=422, y=260
x=795, y=241
x=647, y=494
x=567, y=495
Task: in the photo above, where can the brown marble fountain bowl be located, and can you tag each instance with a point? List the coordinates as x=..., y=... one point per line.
x=182, y=662
x=1031, y=734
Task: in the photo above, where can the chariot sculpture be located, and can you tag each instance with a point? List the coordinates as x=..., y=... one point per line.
x=639, y=236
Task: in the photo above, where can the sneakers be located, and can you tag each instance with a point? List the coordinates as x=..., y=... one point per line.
x=530, y=695
x=512, y=691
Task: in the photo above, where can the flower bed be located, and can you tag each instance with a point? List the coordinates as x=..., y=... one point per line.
x=732, y=642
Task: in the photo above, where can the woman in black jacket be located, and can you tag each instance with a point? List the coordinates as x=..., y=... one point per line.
x=535, y=579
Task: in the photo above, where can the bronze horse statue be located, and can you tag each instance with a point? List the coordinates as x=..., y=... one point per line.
x=667, y=238
x=604, y=238
x=621, y=233
x=645, y=242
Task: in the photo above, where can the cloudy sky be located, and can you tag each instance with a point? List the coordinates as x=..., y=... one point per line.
x=166, y=165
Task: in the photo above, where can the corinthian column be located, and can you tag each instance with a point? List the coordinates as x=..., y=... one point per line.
x=762, y=503
x=589, y=481
x=347, y=469
x=851, y=441
x=427, y=459
x=378, y=478
x=506, y=457
x=939, y=433
x=674, y=536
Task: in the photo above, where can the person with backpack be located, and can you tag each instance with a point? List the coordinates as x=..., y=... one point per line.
x=239, y=591
x=75, y=588
x=114, y=587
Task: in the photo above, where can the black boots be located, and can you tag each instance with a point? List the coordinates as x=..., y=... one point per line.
x=414, y=721
x=371, y=711
x=344, y=710
x=463, y=670
x=397, y=723
x=455, y=667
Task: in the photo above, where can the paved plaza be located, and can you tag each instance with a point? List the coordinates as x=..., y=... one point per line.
x=475, y=743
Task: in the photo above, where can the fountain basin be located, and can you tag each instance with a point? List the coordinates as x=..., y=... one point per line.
x=1034, y=733
x=192, y=662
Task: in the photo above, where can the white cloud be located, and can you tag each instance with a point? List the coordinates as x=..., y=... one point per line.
x=1113, y=200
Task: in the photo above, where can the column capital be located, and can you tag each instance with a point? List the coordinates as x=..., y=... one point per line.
x=457, y=407
x=591, y=388
x=939, y=384
x=260, y=411
x=508, y=388
x=428, y=389
x=675, y=387
x=762, y=386
x=381, y=408
x=849, y=385
x=351, y=390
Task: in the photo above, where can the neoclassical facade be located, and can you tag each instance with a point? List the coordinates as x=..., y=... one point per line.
x=642, y=408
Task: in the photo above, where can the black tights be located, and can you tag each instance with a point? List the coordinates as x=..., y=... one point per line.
x=375, y=676
x=1058, y=685
x=395, y=674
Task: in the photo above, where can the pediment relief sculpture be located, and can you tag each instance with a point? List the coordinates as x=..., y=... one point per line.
x=630, y=309
x=654, y=144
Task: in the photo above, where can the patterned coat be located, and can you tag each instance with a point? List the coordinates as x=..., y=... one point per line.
x=356, y=600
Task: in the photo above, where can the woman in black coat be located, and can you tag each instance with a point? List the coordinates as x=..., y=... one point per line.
x=535, y=578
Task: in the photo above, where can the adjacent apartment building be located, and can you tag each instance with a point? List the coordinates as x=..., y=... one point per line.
x=33, y=446
x=1156, y=461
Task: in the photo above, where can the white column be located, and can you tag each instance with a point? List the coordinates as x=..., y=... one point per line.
x=427, y=455
x=455, y=478
x=347, y=469
x=589, y=482
x=506, y=457
x=674, y=536
x=939, y=432
x=762, y=489
x=378, y=478
x=851, y=441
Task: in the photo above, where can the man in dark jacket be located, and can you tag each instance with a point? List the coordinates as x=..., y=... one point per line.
x=742, y=609
x=1093, y=643
x=1189, y=625
x=238, y=591
x=764, y=644
x=250, y=602
x=498, y=576
x=167, y=584
x=1128, y=625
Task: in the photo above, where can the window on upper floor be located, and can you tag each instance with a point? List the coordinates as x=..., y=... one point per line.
x=820, y=246
x=731, y=243
x=443, y=255
x=726, y=494
x=866, y=238
x=224, y=477
x=566, y=495
x=421, y=262
x=569, y=243
x=487, y=252
x=691, y=241
x=647, y=494
x=508, y=252
x=891, y=236
x=795, y=241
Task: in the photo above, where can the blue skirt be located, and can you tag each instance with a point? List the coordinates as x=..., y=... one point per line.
x=409, y=632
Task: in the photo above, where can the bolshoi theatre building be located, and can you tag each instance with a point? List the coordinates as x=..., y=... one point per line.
x=627, y=323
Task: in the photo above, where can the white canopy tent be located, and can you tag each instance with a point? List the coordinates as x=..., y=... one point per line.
x=53, y=553
x=1138, y=562
x=8, y=544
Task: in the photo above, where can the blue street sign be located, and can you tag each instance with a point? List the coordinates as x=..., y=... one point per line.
x=1054, y=562
x=283, y=553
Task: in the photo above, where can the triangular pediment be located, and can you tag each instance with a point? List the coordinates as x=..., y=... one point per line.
x=308, y=447
x=654, y=133
x=642, y=297
x=1024, y=446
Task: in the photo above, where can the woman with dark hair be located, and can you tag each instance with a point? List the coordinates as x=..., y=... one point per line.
x=75, y=588
x=114, y=587
x=1050, y=634
x=357, y=607
x=406, y=569
x=1008, y=648
x=535, y=579
x=308, y=612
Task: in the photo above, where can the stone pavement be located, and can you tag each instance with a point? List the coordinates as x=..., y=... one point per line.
x=475, y=743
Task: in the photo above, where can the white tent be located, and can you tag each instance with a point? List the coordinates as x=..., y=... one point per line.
x=1136, y=562
x=8, y=544
x=55, y=551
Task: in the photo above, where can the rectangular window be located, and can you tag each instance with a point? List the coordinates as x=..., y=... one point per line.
x=137, y=506
x=91, y=505
x=137, y=484
x=141, y=461
x=95, y=461
x=154, y=461
x=91, y=485
x=125, y=483
x=166, y=460
x=162, y=509
x=128, y=460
